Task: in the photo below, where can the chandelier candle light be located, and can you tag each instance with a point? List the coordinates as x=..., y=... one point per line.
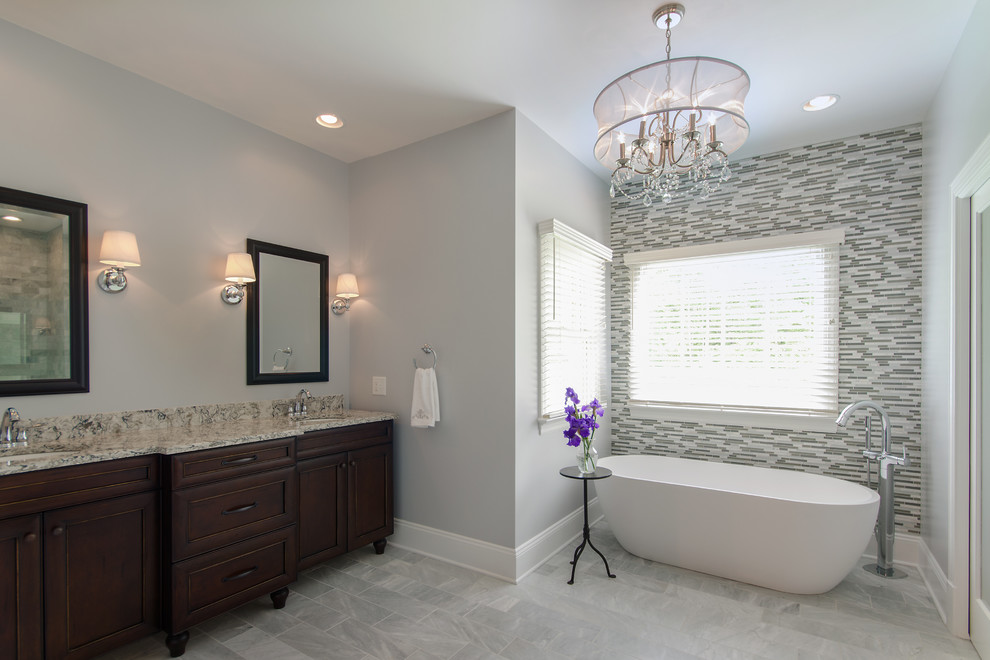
x=671, y=125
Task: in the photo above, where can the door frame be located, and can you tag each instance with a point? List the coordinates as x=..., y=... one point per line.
x=979, y=634
x=951, y=592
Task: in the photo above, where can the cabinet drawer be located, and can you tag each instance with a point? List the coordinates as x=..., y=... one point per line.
x=34, y=492
x=207, y=517
x=204, y=466
x=218, y=581
x=345, y=438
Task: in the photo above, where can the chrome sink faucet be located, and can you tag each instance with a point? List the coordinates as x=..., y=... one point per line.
x=298, y=409
x=8, y=428
x=884, y=530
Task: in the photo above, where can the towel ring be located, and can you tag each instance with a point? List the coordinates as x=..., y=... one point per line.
x=428, y=350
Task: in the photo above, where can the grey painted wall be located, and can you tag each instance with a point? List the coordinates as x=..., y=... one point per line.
x=956, y=124
x=193, y=184
x=868, y=185
x=550, y=183
x=432, y=246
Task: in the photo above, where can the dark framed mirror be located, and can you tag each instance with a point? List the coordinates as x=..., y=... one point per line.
x=44, y=305
x=287, y=315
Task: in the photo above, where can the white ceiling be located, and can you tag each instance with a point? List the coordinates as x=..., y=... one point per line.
x=399, y=71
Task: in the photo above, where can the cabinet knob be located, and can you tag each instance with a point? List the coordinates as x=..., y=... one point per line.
x=343, y=466
x=30, y=537
x=353, y=463
x=58, y=531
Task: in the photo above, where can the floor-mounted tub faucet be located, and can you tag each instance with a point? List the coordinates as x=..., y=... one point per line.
x=884, y=530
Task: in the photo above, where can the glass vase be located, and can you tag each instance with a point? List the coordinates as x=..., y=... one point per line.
x=587, y=458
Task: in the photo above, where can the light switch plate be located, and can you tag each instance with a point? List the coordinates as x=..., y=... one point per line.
x=378, y=385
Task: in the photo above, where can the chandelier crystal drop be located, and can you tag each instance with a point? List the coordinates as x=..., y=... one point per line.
x=667, y=128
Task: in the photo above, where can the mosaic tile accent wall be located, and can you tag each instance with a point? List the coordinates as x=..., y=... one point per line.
x=870, y=185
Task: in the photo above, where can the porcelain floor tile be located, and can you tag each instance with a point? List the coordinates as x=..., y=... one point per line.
x=404, y=606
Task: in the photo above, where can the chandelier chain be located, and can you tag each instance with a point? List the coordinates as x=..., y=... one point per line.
x=668, y=36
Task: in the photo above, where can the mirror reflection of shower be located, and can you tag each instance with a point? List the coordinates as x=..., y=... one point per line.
x=280, y=359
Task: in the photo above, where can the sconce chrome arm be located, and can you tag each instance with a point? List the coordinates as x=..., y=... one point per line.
x=232, y=293
x=339, y=306
x=112, y=280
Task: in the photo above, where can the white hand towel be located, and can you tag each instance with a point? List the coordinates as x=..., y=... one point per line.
x=426, y=399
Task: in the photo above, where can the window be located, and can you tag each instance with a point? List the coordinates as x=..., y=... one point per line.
x=746, y=326
x=573, y=317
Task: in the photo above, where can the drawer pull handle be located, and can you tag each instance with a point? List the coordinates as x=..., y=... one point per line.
x=238, y=576
x=239, y=461
x=239, y=509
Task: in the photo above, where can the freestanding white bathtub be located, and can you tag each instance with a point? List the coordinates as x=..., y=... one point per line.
x=790, y=531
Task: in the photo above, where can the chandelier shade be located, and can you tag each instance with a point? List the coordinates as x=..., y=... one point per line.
x=671, y=125
x=714, y=88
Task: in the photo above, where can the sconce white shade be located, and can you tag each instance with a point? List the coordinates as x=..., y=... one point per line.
x=120, y=249
x=347, y=286
x=240, y=268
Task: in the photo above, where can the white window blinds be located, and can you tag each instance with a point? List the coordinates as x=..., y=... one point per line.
x=573, y=317
x=746, y=325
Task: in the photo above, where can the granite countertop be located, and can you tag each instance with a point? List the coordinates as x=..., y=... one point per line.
x=138, y=442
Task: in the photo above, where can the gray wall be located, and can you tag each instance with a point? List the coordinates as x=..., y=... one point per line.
x=432, y=247
x=550, y=183
x=192, y=183
x=868, y=185
x=956, y=124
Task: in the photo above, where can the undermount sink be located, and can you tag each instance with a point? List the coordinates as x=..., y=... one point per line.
x=13, y=459
x=317, y=420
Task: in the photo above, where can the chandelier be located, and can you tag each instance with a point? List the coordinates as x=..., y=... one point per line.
x=668, y=128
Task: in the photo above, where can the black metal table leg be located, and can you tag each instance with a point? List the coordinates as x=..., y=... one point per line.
x=600, y=473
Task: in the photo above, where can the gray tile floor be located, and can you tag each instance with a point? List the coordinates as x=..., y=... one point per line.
x=403, y=605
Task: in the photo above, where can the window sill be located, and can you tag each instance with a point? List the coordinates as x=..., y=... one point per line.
x=735, y=417
x=552, y=424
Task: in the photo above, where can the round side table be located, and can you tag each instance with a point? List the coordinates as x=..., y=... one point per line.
x=571, y=472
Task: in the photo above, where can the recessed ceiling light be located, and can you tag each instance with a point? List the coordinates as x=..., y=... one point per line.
x=821, y=102
x=11, y=218
x=329, y=121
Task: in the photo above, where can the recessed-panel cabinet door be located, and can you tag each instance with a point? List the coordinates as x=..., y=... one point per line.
x=322, y=508
x=369, y=477
x=20, y=588
x=102, y=572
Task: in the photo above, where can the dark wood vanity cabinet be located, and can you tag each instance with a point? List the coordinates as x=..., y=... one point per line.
x=97, y=555
x=345, y=490
x=80, y=558
x=20, y=591
x=232, y=531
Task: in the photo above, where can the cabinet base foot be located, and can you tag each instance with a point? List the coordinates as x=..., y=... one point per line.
x=380, y=546
x=279, y=597
x=177, y=643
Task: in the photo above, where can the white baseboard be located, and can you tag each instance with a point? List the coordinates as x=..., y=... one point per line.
x=488, y=558
x=907, y=549
x=939, y=586
x=950, y=605
x=504, y=563
x=534, y=552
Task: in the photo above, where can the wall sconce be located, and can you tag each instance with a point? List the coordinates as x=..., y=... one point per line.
x=119, y=250
x=347, y=288
x=240, y=271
